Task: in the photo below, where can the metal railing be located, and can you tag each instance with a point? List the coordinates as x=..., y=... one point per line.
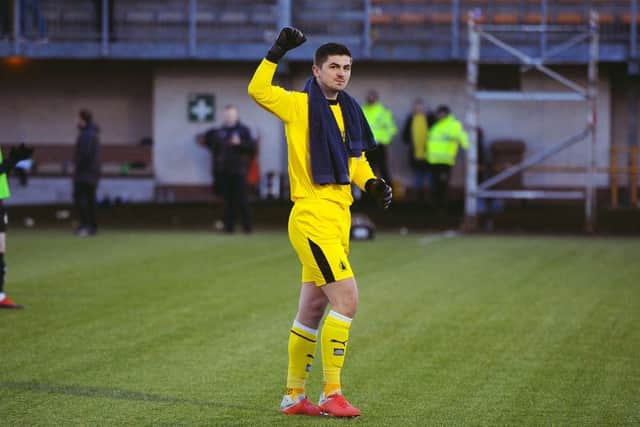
x=209, y=29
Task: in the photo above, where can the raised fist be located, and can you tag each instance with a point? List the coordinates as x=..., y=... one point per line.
x=289, y=38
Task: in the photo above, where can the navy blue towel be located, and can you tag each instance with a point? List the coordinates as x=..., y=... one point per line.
x=329, y=153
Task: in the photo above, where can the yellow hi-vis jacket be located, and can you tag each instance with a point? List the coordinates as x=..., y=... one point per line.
x=443, y=140
x=381, y=122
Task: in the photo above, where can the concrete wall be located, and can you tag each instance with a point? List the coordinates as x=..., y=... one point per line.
x=39, y=101
x=177, y=158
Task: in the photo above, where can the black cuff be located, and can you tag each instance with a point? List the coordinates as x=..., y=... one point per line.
x=275, y=54
x=369, y=183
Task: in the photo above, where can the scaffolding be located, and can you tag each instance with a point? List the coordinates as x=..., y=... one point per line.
x=482, y=190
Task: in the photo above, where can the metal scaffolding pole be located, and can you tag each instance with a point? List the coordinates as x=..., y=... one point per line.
x=588, y=95
x=590, y=205
x=471, y=200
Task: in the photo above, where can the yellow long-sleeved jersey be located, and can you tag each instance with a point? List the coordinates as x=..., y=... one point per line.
x=293, y=109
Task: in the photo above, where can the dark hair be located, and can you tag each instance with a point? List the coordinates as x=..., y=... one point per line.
x=86, y=115
x=443, y=109
x=327, y=49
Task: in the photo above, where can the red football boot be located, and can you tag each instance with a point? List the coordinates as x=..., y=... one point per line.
x=336, y=405
x=298, y=406
x=7, y=302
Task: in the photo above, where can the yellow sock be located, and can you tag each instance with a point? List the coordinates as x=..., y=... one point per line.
x=302, y=349
x=334, y=337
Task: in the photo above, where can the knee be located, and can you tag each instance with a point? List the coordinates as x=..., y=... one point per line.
x=350, y=311
x=348, y=306
x=311, y=313
x=315, y=309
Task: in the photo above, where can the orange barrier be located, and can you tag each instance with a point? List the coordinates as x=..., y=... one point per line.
x=613, y=176
x=615, y=170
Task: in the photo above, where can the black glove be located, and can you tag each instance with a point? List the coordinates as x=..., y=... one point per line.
x=16, y=154
x=289, y=38
x=380, y=191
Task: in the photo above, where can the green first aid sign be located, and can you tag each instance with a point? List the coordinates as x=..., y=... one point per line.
x=201, y=107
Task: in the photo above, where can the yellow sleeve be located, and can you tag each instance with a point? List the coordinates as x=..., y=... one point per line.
x=391, y=123
x=272, y=98
x=362, y=172
x=463, y=137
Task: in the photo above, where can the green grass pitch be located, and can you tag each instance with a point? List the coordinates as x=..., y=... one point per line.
x=151, y=328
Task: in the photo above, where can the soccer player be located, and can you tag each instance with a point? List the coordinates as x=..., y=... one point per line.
x=15, y=155
x=327, y=135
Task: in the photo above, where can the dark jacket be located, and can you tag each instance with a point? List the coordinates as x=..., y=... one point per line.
x=86, y=158
x=408, y=139
x=228, y=158
x=406, y=131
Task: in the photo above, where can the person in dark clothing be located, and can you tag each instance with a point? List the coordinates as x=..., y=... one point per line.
x=86, y=173
x=415, y=134
x=16, y=155
x=232, y=148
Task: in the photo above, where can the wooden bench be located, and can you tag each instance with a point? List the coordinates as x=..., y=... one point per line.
x=116, y=159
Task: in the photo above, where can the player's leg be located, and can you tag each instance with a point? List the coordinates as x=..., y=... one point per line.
x=343, y=297
x=5, y=301
x=303, y=339
x=319, y=233
x=341, y=290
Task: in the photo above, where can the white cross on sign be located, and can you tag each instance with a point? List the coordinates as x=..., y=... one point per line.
x=201, y=108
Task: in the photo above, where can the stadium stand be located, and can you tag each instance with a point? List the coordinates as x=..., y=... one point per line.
x=157, y=29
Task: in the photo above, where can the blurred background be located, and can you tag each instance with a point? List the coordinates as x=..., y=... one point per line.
x=554, y=82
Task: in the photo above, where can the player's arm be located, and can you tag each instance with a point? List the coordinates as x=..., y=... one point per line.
x=17, y=154
x=362, y=172
x=274, y=98
x=366, y=180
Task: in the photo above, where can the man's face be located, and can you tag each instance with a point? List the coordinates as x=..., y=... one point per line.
x=334, y=74
x=372, y=96
x=230, y=116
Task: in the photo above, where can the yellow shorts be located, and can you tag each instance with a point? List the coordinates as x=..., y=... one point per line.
x=319, y=233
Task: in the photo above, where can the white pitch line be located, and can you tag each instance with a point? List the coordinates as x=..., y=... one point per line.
x=449, y=234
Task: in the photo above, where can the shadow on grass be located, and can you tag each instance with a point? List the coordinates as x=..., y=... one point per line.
x=116, y=394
